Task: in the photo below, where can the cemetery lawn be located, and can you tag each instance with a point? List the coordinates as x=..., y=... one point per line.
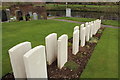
x=103, y=63
x=34, y=31
x=104, y=60
x=106, y=22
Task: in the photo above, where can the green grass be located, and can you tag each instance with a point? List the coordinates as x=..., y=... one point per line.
x=76, y=5
x=104, y=60
x=77, y=19
x=111, y=22
x=33, y=31
x=72, y=65
x=103, y=63
x=105, y=22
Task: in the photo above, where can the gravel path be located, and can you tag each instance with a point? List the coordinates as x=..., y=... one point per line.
x=80, y=22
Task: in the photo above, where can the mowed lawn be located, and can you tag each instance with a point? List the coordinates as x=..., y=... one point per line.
x=33, y=31
x=105, y=22
x=104, y=60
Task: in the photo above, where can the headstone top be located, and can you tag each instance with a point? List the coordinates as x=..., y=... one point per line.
x=61, y=37
x=76, y=28
x=51, y=35
x=18, y=46
x=86, y=24
x=82, y=25
x=29, y=53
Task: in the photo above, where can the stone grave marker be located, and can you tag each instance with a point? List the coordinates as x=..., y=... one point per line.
x=99, y=23
x=86, y=24
x=35, y=16
x=75, y=46
x=76, y=28
x=19, y=15
x=35, y=63
x=87, y=32
x=51, y=48
x=27, y=17
x=30, y=14
x=91, y=29
x=82, y=26
x=83, y=33
x=62, y=56
x=4, y=16
x=8, y=14
x=68, y=12
x=16, y=57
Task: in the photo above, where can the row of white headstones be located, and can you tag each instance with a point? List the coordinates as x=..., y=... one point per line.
x=31, y=63
x=35, y=16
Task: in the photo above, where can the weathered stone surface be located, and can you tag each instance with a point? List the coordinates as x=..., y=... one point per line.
x=51, y=47
x=95, y=27
x=75, y=46
x=83, y=32
x=62, y=51
x=16, y=57
x=35, y=63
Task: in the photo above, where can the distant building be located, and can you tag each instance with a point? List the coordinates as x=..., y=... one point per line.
x=26, y=8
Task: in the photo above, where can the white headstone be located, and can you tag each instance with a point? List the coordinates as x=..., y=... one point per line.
x=16, y=57
x=87, y=32
x=95, y=26
x=35, y=63
x=75, y=46
x=30, y=14
x=83, y=32
x=91, y=29
x=86, y=24
x=68, y=12
x=76, y=28
x=82, y=26
x=62, y=51
x=35, y=16
x=98, y=23
x=51, y=48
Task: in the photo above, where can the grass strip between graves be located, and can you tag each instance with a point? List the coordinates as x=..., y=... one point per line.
x=105, y=22
x=104, y=60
